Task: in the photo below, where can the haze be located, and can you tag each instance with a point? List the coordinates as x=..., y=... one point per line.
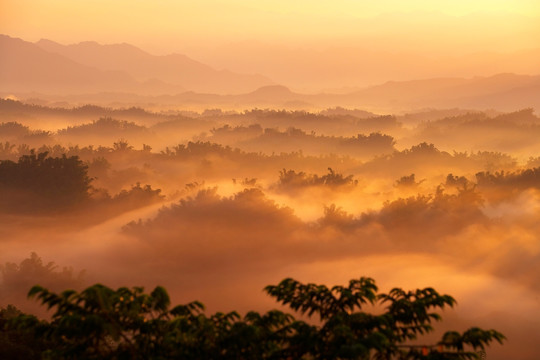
x=307, y=45
x=216, y=147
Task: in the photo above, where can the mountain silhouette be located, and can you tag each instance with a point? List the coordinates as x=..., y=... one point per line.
x=124, y=75
x=271, y=94
x=505, y=92
x=174, y=68
x=25, y=67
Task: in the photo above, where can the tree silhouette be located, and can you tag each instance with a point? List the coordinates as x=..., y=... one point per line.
x=347, y=332
x=42, y=181
x=294, y=180
x=102, y=323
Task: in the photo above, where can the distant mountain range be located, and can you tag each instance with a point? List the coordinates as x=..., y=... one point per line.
x=49, y=67
x=505, y=92
x=123, y=75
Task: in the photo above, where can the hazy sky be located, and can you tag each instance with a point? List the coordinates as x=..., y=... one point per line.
x=307, y=45
x=163, y=26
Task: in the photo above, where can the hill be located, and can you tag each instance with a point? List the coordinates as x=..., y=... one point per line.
x=177, y=69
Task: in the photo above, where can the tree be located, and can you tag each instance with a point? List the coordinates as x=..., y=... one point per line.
x=122, y=145
x=102, y=323
x=347, y=332
x=38, y=180
x=19, y=337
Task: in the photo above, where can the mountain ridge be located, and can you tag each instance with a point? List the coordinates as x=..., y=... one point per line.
x=515, y=93
x=30, y=69
x=177, y=69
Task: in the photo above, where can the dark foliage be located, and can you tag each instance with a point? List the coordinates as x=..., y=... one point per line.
x=39, y=182
x=102, y=323
x=408, y=181
x=524, y=179
x=292, y=180
x=19, y=335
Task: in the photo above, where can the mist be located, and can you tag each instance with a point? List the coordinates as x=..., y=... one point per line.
x=212, y=203
x=214, y=148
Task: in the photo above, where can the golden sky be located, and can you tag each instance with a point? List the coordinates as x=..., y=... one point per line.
x=309, y=45
x=166, y=25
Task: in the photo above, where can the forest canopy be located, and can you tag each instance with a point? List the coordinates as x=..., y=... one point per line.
x=224, y=202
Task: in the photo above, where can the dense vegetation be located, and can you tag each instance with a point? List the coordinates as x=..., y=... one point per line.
x=290, y=179
x=39, y=183
x=44, y=181
x=102, y=323
x=218, y=201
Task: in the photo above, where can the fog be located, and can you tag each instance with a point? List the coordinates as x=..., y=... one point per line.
x=216, y=147
x=214, y=206
x=317, y=46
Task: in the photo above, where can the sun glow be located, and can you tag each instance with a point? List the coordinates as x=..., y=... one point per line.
x=164, y=25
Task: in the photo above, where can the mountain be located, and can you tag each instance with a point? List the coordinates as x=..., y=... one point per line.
x=501, y=92
x=523, y=92
x=27, y=68
x=360, y=64
x=175, y=68
x=123, y=75
x=504, y=92
x=24, y=67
